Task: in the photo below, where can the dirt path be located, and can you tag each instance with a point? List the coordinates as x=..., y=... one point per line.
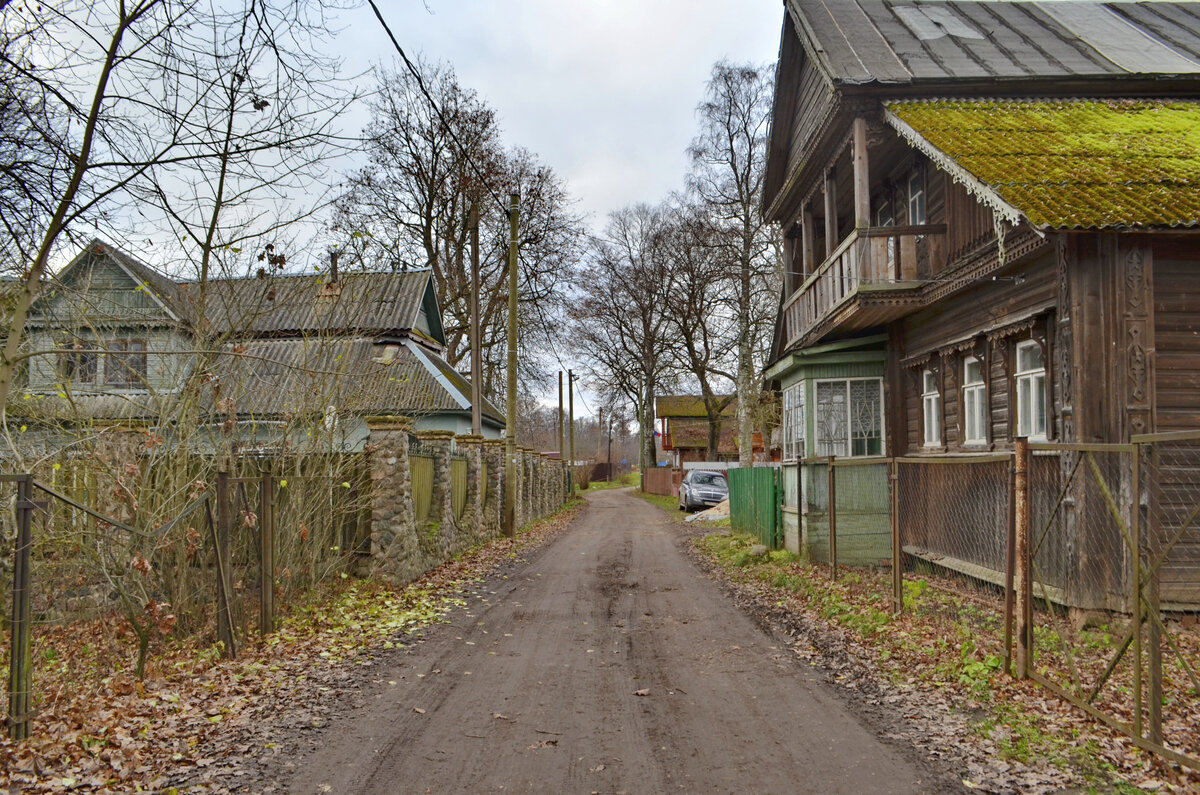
x=536, y=689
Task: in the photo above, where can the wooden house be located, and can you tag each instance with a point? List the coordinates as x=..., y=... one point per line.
x=992, y=222
x=277, y=356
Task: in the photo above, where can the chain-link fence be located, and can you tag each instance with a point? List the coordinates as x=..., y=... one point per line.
x=1077, y=565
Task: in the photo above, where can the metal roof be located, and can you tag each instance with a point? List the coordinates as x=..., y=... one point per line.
x=360, y=302
x=918, y=41
x=1067, y=164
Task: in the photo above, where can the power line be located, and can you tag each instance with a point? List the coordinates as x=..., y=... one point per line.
x=441, y=116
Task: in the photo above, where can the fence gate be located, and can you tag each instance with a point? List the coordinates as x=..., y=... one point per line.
x=754, y=503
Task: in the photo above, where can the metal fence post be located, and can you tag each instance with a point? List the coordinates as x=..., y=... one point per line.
x=1135, y=607
x=1153, y=617
x=897, y=550
x=832, y=522
x=1023, y=577
x=1010, y=557
x=266, y=555
x=21, y=660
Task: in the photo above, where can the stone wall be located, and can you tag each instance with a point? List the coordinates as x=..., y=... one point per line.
x=401, y=548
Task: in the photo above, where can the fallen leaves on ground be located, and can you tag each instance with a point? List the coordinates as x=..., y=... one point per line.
x=188, y=726
x=933, y=676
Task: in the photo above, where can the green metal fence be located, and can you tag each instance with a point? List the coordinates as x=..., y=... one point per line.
x=754, y=504
x=458, y=485
x=421, y=469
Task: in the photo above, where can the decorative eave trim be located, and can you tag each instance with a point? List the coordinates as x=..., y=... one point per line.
x=973, y=184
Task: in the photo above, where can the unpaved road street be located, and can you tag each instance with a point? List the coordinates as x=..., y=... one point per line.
x=609, y=664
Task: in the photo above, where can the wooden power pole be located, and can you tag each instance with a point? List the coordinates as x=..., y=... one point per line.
x=510, y=418
x=476, y=364
x=571, y=425
x=562, y=451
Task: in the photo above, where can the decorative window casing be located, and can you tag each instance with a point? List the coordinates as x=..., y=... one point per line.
x=793, y=422
x=931, y=408
x=1030, y=378
x=849, y=417
x=974, y=402
x=125, y=363
x=78, y=364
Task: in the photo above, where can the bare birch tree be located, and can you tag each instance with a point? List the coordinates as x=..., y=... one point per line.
x=728, y=166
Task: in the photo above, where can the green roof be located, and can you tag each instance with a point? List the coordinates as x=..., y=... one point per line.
x=1068, y=164
x=690, y=406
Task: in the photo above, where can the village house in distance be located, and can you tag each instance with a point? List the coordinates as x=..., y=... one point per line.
x=991, y=214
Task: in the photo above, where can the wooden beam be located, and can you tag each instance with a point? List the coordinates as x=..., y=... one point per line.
x=862, y=181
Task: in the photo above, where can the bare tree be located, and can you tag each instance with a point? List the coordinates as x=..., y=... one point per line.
x=620, y=321
x=702, y=317
x=729, y=160
x=409, y=207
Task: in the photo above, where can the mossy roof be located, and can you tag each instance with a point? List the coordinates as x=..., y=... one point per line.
x=1069, y=164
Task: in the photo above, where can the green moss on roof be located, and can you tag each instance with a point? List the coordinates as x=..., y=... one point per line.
x=1074, y=164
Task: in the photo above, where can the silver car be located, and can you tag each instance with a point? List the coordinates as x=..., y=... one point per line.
x=702, y=489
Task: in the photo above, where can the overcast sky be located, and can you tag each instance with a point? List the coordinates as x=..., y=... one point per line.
x=604, y=91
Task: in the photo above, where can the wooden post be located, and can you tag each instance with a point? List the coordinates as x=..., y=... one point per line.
x=897, y=547
x=806, y=241
x=562, y=446
x=1153, y=618
x=571, y=432
x=831, y=219
x=510, y=415
x=1010, y=557
x=862, y=180
x=1135, y=608
x=1023, y=609
x=222, y=533
x=832, y=522
x=20, y=671
x=476, y=347
x=266, y=555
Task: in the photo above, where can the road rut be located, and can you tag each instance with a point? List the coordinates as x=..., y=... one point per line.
x=608, y=664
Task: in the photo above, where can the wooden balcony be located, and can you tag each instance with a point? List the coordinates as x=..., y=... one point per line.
x=870, y=279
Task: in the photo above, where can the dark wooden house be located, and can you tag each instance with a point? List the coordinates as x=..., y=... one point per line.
x=992, y=222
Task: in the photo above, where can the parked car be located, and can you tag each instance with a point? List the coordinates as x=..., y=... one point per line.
x=702, y=489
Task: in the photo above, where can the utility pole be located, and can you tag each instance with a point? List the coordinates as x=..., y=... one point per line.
x=610, y=468
x=562, y=451
x=476, y=364
x=510, y=419
x=571, y=425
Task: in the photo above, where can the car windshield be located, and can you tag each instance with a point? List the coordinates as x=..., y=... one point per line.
x=708, y=479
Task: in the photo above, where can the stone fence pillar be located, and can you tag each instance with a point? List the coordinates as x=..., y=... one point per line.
x=493, y=494
x=394, y=553
x=470, y=524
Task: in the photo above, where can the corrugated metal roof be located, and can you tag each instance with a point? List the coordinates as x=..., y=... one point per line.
x=1069, y=164
x=360, y=302
x=915, y=41
x=357, y=376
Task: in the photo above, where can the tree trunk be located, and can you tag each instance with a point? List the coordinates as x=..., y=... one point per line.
x=745, y=373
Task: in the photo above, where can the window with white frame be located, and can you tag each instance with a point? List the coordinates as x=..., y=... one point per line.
x=849, y=417
x=974, y=393
x=931, y=408
x=916, y=196
x=793, y=422
x=1031, y=390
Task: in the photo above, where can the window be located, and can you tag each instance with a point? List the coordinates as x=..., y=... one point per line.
x=884, y=216
x=916, y=196
x=931, y=405
x=974, y=392
x=849, y=417
x=125, y=363
x=1031, y=391
x=793, y=422
x=78, y=364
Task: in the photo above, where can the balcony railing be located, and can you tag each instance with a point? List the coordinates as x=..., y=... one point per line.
x=878, y=259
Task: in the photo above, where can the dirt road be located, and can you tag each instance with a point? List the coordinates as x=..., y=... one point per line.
x=608, y=664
